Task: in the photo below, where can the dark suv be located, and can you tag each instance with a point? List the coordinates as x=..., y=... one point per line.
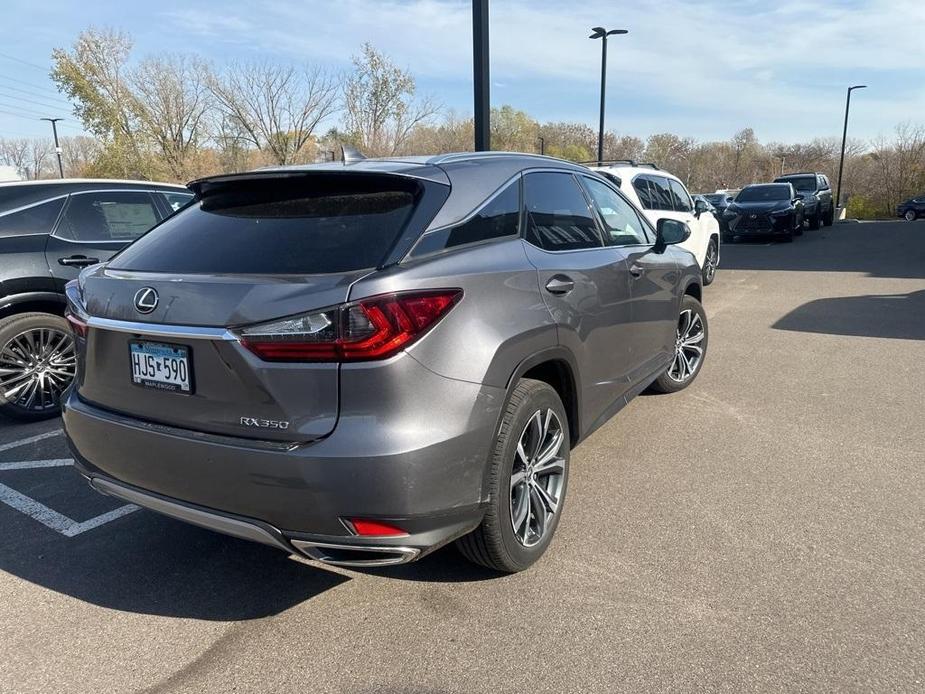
x=912, y=209
x=360, y=363
x=818, y=204
x=49, y=230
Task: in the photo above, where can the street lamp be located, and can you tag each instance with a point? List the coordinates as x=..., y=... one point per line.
x=54, y=129
x=782, y=155
x=480, y=76
x=602, y=33
x=844, y=137
x=542, y=141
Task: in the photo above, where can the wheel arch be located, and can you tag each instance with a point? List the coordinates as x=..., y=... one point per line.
x=32, y=302
x=557, y=367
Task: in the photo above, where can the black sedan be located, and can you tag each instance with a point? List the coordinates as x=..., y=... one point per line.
x=912, y=209
x=765, y=209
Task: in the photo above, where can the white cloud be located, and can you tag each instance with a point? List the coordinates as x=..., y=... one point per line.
x=783, y=64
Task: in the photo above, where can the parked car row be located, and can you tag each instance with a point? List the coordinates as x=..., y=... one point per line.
x=779, y=209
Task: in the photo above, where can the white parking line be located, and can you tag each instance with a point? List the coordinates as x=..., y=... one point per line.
x=39, y=511
x=31, y=439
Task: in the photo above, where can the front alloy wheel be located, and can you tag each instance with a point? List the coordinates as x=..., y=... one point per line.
x=910, y=215
x=710, y=261
x=37, y=363
x=690, y=348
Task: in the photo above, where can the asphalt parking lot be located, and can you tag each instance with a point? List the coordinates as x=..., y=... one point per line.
x=763, y=530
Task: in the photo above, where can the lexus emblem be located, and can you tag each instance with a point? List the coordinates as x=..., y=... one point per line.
x=754, y=216
x=145, y=300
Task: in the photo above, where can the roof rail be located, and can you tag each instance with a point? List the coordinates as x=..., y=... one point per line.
x=799, y=173
x=628, y=162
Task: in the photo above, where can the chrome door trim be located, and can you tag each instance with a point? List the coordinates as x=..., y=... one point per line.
x=181, y=332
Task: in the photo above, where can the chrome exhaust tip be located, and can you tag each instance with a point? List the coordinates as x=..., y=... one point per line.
x=355, y=555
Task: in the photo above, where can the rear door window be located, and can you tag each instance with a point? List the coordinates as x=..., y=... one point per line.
x=177, y=201
x=641, y=185
x=680, y=198
x=36, y=219
x=558, y=216
x=661, y=193
x=306, y=225
x=107, y=216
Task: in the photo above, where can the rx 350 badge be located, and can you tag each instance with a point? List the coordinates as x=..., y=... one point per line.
x=264, y=423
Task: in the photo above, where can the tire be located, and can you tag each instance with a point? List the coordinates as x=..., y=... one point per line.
x=669, y=381
x=910, y=215
x=710, y=260
x=829, y=218
x=494, y=543
x=729, y=238
x=27, y=340
x=815, y=221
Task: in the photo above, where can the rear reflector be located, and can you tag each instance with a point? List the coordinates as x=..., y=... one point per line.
x=373, y=328
x=78, y=326
x=371, y=528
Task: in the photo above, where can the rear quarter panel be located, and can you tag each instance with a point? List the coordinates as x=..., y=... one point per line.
x=500, y=321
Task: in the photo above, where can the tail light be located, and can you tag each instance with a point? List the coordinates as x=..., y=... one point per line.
x=373, y=328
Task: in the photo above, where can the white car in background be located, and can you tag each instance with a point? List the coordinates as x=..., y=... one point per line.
x=660, y=194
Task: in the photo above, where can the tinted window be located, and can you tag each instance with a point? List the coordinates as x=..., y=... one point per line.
x=176, y=201
x=641, y=184
x=118, y=216
x=765, y=192
x=661, y=193
x=499, y=217
x=622, y=226
x=38, y=219
x=679, y=197
x=713, y=199
x=558, y=217
x=311, y=225
x=802, y=184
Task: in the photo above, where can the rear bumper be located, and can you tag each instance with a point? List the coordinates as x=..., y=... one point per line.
x=429, y=482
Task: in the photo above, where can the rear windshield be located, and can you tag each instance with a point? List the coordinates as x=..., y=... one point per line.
x=308, y=225
x=803, y=183
x=715, y=198
x=761, y=193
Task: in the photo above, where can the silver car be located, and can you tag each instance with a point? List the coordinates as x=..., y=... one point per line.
x=363, y=362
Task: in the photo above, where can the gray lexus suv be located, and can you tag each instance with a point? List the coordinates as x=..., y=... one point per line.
x=362, y=362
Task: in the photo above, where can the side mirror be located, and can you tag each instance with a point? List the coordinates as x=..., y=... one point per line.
x=669, y=232
x=699, y=207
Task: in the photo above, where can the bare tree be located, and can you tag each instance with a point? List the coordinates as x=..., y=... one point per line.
x=274, y=107
x=171, y=100
x=15, y=152
x=78, y=154
x=380, y=109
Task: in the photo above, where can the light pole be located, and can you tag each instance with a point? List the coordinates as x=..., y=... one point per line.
x=542, y=144
x=844, y=138
x=480, y=76
x=602, y=33
x=782, y=155
x=54, y=130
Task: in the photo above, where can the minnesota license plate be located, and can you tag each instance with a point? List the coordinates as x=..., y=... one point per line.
x=162, y=367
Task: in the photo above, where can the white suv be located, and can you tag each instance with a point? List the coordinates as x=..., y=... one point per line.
x=659, y=194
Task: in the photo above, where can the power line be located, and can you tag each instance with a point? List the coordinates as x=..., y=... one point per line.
x=30, y=101
x=31, y=85
x=24, y=62
x=23, y=109
x=36, y=94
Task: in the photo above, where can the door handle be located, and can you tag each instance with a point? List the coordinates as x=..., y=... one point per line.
x=636, y=271
x=560, y=284
x=78, y=261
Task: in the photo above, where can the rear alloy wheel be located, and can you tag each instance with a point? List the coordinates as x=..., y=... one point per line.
x=710, y=262
x=690, y=348
x=828, y=218
x=815, y=221
x=527, y=483
x=910, y=215
x=37, y=363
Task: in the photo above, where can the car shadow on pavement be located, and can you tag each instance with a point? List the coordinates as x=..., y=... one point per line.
x=898, y=316
x=882, y=249
x=151, y=564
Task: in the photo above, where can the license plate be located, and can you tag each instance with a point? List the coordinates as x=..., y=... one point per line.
x=160, y=366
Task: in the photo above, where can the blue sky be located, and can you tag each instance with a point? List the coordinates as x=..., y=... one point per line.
x=703, y=69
